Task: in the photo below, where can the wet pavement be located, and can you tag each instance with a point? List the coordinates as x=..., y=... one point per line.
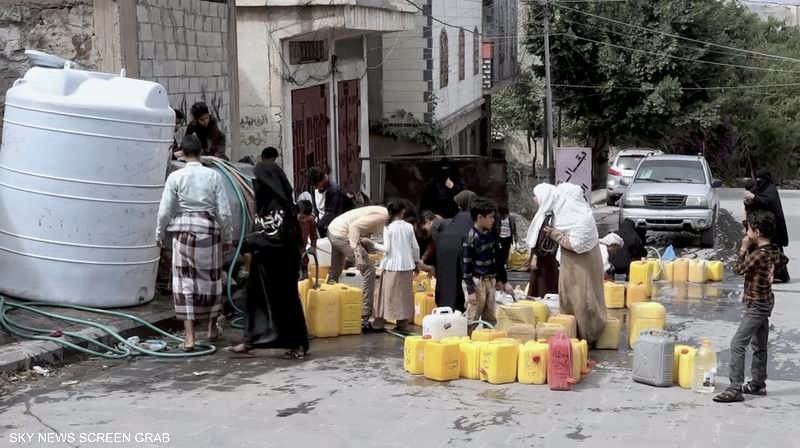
x=353, y=391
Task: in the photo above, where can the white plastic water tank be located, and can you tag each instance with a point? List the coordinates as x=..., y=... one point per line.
x=82, y=168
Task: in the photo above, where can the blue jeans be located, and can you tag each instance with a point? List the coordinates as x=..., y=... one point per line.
x=753, y=330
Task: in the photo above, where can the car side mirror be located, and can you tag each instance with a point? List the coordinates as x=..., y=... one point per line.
x=716, y=183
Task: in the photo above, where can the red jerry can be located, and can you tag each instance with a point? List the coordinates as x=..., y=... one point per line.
x=559, y=367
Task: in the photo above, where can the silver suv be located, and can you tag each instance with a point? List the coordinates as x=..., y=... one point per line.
x=673, y=193
x=621, y=170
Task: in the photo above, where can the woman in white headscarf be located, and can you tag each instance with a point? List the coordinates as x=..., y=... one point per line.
x=580, y=284
x=543, y=264
x=610, y=245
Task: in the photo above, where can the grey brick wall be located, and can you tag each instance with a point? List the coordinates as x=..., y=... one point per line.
x=182, y=45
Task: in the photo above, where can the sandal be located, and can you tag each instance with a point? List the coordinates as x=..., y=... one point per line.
x=729, y=396
x=751, y=389
x=297, y=355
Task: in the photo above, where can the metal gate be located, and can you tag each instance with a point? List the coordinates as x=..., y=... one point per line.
x=309, y=132
x=349, y=100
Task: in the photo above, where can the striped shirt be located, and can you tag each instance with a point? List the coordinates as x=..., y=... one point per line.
x=479, y=256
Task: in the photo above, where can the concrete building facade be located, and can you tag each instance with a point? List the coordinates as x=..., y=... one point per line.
x=182, y=44
x=433, y=73
x=304, y=85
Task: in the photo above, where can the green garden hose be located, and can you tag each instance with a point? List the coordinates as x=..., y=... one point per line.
x=122, y=350
x=236, y=322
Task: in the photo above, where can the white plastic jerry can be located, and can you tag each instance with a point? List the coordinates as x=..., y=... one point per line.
x=443, y=322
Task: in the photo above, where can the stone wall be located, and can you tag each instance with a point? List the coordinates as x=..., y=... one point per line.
x=60, y=27
x=183, y=46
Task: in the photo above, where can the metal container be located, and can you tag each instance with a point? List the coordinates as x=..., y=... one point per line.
x=652, y=360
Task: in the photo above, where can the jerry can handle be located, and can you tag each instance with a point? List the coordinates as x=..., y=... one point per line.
x=442, y=310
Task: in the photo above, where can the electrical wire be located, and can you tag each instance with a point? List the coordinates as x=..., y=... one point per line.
x=648, y=88
x=639, y=36
x=676, y=36
x=657, y=53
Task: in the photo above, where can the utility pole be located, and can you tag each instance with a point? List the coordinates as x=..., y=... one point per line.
x=548, y=95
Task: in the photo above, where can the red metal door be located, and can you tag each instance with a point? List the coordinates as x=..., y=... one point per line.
x=309, y=132
x=349, y=99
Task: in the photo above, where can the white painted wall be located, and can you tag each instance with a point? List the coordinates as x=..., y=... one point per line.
x=403, y=69
x=458, y=94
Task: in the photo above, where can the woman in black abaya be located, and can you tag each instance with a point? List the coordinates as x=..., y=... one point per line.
x=274, y=313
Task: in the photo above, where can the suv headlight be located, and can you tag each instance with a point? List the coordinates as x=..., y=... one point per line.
x=633, y=200
x=696, y=201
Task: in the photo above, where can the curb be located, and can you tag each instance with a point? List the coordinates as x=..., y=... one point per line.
x=23, y=355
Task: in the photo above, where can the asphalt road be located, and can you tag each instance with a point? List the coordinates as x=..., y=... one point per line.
x=353, y=390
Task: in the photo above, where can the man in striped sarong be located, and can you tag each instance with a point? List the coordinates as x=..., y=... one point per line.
x=195, y=210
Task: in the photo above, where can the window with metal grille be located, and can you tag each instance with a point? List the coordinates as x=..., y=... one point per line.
x=307, y=52
x=443, y=60
x=476, y=52
x=462, y=56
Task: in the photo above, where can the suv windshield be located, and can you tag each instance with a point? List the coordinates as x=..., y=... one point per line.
x=675, y=171
x=629, y=162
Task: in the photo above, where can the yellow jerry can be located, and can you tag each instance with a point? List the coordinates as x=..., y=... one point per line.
x=686, y=367
x=716, y=271
x=422, y=283
x=548, y=329
x=637, y=293
x=645, y=316
x=442, y=360
x=655, y=268
x=522, y=332
x=680, y=268
x=569, y=323
x=667, y=270
x=487, y=334
x=499, y=362
x=676, y=361
x=609, y=338
x=532, y=363
x=323, y=312
x=516, y=313
x=697, y=271
x=456, y=339
x=614, y=294
x=414, y=354
x=424, y=303
x=470, y=359
x=323, y=272
x=303, y=286
x=540, y=310
x=350, y=303
x=641, y=272
x=580, y=358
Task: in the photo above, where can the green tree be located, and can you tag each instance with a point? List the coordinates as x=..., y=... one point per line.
x=519, y=108
x=629, y=84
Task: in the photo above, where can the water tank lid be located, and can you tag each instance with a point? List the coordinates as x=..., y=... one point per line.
x=55, y=85
x=42, y=59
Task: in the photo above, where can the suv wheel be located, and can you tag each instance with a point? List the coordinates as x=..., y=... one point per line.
x=707, y=238
x=611, y=200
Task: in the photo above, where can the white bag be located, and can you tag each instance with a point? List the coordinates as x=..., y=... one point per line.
x=553, y=304
x=443, y=323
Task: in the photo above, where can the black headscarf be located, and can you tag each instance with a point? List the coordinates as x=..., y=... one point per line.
x=273, y=190
x=767, y=199
x=632, y=250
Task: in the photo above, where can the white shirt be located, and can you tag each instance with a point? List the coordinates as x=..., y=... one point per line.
x=319, y=199
x=400, y=246
x=194, y=188
x=357, y=223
